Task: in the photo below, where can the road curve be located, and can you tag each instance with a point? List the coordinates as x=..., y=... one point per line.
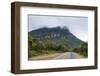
x=68, y=55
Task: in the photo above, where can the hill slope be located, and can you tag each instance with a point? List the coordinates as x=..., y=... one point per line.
x=56, y=35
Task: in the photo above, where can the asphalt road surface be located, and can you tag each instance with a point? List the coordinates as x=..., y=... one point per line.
x=69, y=55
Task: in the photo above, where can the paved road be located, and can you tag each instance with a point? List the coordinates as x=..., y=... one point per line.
x=68, y=55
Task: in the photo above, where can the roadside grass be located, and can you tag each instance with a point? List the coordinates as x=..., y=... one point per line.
x=84, y=55
x=45, y=56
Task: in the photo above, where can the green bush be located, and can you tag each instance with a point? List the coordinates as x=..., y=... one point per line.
x=83, y=49
x=37, y=47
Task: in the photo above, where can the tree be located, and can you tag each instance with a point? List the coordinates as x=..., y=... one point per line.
x=30, y=39
x=32, y=43
x=84, y=49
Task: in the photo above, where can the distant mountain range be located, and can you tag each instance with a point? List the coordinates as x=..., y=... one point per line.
x=57, y=35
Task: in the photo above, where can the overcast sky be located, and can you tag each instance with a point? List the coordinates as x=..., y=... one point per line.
x=77, y=25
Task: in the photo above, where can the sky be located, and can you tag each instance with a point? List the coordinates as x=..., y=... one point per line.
x=77, y=25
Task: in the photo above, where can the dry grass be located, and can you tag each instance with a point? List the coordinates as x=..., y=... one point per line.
x=45, y=57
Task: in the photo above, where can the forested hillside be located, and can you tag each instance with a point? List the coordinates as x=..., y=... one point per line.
x=51, y=40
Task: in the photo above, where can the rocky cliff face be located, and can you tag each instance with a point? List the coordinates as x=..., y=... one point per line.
x=57, y=35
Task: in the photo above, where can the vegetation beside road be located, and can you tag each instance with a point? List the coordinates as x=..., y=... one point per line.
x=45, y=56
x=37, y=47
x=82, y=50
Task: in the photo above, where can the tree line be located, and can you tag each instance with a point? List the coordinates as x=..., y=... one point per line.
x=83, y=49
x=37, y=47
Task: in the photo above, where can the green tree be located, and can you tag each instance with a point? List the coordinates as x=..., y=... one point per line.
x=84, y=49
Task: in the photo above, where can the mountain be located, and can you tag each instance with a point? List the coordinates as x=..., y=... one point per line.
x=56, y=35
